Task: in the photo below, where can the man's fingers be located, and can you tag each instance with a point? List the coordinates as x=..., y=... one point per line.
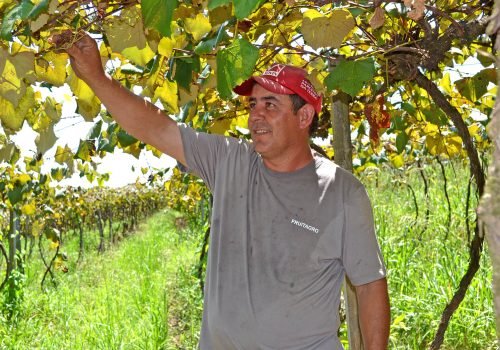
x=82, y=44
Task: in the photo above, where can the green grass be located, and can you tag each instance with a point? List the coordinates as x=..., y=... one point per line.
x=426, y=260
x=142, y=294
x=134, y=296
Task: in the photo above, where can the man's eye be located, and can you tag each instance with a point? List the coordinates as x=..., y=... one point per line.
x=251, y=105
x=270, y=105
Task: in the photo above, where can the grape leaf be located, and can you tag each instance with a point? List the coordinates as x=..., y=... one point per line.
x=86, y=150
x=45, y=140
x=243, y=8
x=350, y=76
x=63, y=155
x=158, y=14
x=88, y=104
x=216, y=3
x=235, y=64
x=198, y=27
x=51, y=68
x=20, y=12
x=167, y=93
x=474, y=87
x=327, y=31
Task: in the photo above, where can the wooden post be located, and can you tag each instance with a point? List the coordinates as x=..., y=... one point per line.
x=14, y=243
x=489, y=210
x=342, y=149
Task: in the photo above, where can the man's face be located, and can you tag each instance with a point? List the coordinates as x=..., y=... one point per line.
x=273, y=125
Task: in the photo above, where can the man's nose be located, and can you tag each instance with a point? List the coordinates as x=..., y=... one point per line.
x=257, y=112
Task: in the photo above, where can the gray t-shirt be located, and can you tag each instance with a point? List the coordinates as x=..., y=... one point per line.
x=280, y=245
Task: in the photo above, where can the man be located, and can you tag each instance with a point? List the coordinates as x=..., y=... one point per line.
x=286, y=224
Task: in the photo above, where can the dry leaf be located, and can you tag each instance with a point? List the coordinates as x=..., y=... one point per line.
x=418, y=9
x=378, y=18
x=290, y=2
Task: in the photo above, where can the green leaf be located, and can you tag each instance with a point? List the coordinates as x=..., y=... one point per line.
x=158, y=14
x=410, y=109
x=472, y=88
x=125, y=139
x=243, y=8
x=401, y=141
x=15, y=195
x=95, y=131
x=39, y=8
x=235, y=64
x=350, y=76
x=85, y=151
x=20, y=12
x=184, y=68
x=216, y=3
x=435, y=116
x=209, y=45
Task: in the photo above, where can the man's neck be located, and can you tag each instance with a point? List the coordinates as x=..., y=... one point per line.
x=289, y=163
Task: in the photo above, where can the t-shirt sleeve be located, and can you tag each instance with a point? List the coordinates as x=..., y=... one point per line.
x=362, y=258
x=203, y=152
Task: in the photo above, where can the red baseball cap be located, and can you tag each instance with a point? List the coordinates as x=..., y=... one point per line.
x=285, y=80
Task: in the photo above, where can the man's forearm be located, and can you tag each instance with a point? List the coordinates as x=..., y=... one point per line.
x=374, y=314
x=138, y=117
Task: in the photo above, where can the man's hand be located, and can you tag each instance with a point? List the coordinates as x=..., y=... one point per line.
x=374, y=314
x=86, y=60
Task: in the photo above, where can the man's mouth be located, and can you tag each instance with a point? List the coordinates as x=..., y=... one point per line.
x=261, y=131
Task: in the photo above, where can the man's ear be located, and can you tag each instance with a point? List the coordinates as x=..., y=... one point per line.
x=306, y=115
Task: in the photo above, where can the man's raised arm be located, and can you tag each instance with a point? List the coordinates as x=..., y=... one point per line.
x=138, y=117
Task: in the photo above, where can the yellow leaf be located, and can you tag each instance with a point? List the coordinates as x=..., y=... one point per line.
x=52, y=109
x=139, y=56
x=445, y=84
x=8, y=116
x=13, y=118
x=198, y=27
x=219, y=126
x=431, y=129
x=327, y=31
x=167, y=93
x=453, y=145
x=397, y=160
x=63, y=155
x=435, y=145
x=36, y=228
x=166, y=46
x=133, y=149
x=88, y=104
x=11, y=86
x=28, y=209
x=126, y=31
x=22, y=178
x=52, y=68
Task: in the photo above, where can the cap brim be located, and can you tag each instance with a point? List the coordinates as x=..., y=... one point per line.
x=245, y=89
